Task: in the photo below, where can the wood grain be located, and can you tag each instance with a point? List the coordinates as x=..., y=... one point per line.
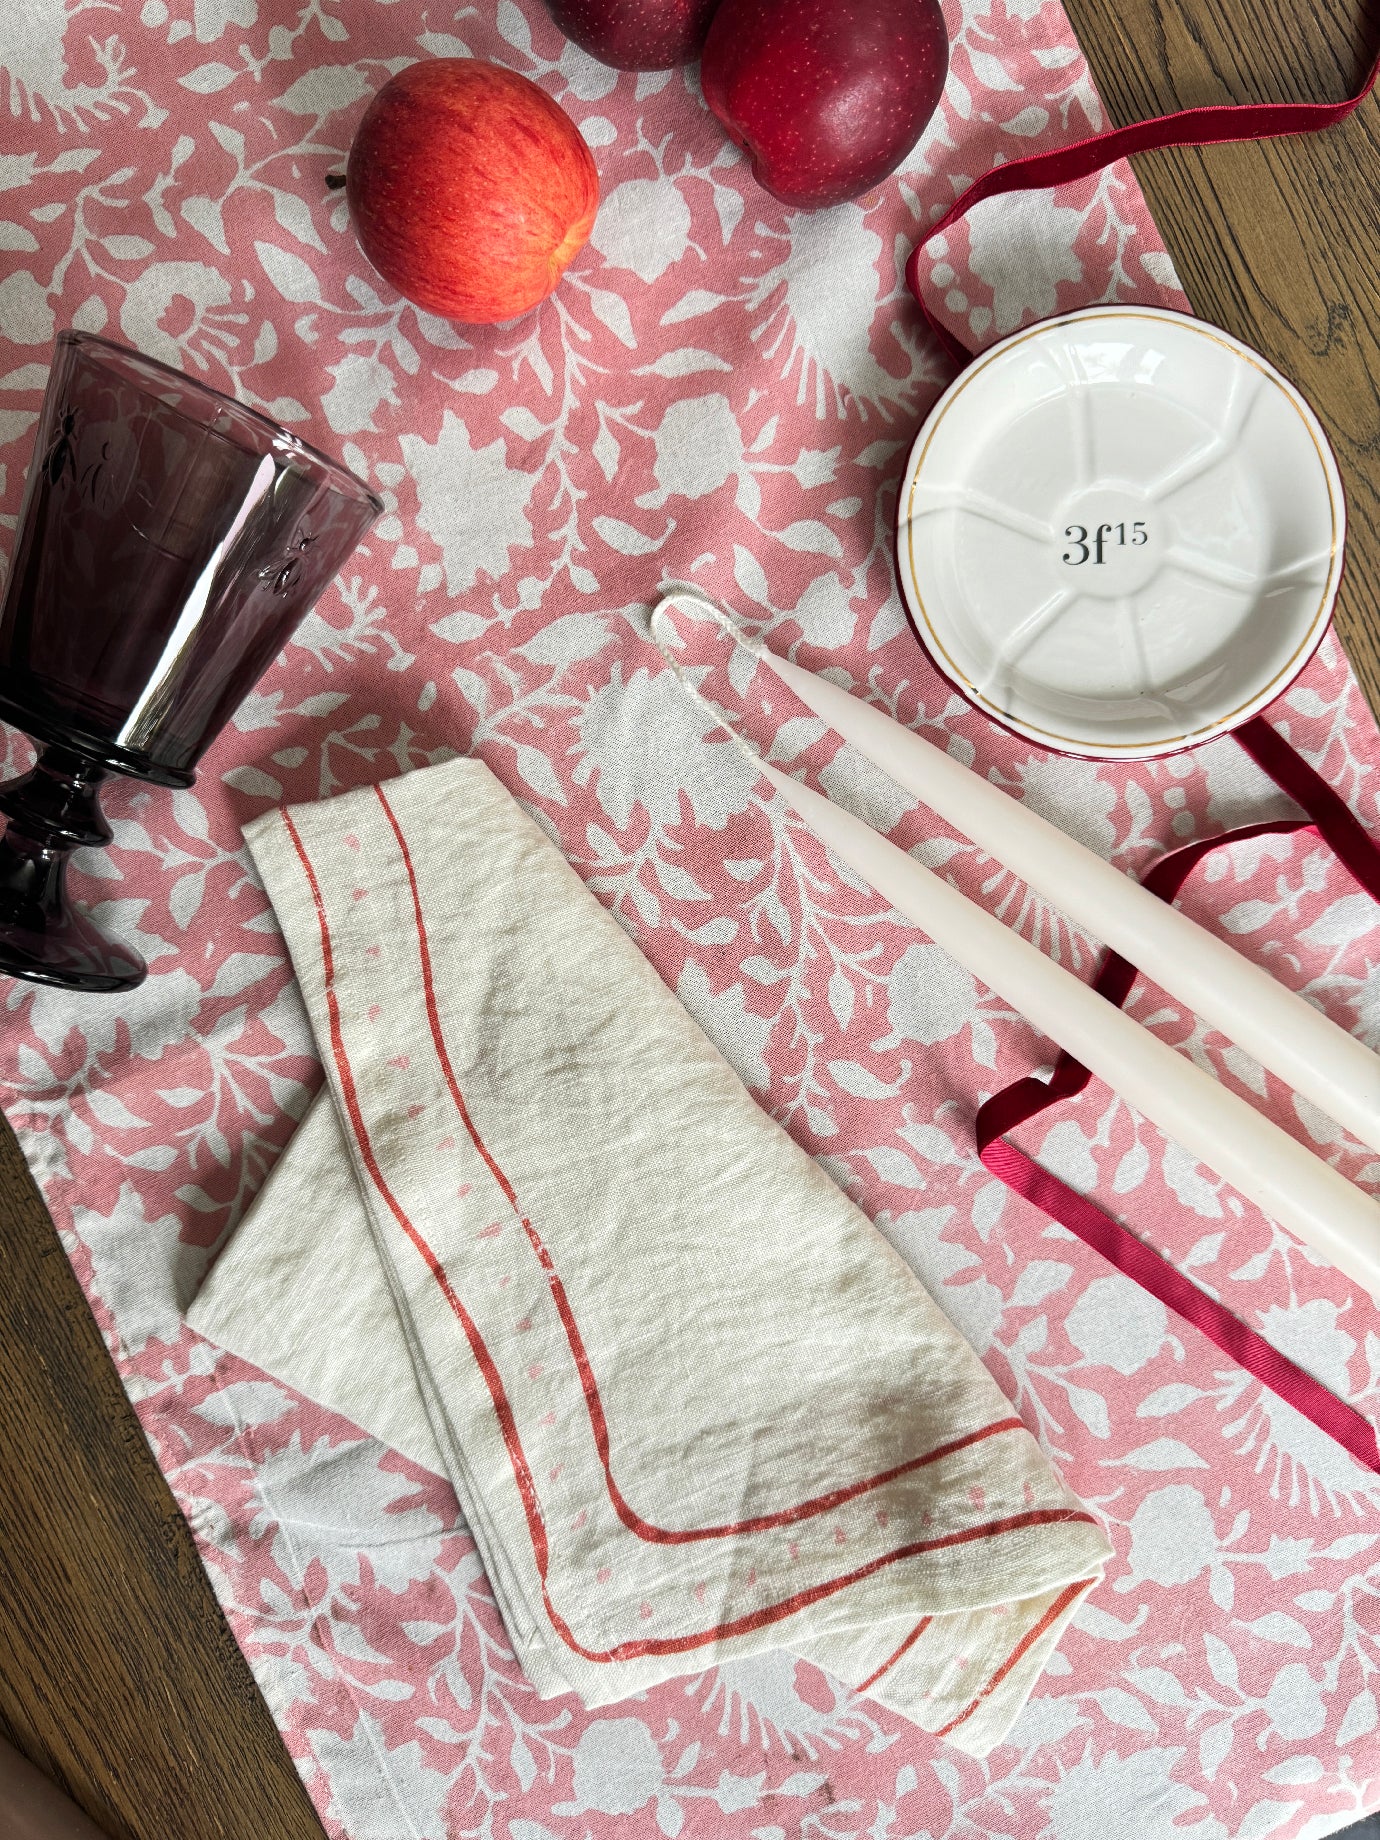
x=118, y=1674
x=1275, y=241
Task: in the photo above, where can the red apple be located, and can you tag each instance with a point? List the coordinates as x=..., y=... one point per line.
x=827, y=96
x=636, y=34
x=470, y=189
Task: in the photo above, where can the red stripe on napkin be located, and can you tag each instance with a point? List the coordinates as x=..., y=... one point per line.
x=488, y=1367
x=902, y=1648
x=1056, y=1610
x=594, y=1405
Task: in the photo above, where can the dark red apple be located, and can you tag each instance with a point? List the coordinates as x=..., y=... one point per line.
x=636, y=34
x=827, y=96
x=470, y=189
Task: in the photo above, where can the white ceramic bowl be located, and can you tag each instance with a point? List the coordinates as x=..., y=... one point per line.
x=1120, y=532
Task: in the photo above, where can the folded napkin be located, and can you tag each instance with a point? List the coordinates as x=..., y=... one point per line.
x=536, y=1234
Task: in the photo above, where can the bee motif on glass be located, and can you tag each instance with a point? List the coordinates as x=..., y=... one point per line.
x=283, y=574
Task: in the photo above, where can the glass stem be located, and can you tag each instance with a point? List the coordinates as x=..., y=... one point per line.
x=52, y=809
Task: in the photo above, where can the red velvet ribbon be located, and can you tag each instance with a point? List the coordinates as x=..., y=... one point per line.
x=1328, y=815
x=1015, y=1105
x=1204, y=127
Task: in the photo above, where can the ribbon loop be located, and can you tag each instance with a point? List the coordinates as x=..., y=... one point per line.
x=1015, y=1105
x=1210, y=126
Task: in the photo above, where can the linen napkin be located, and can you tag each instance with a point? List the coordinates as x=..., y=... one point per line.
x=537, y=1235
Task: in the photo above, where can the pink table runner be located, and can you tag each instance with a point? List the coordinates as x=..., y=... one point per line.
x=723, y=393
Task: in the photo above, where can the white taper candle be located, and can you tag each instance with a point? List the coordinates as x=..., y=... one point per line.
x=1275, y=1025
x=1247, y=1149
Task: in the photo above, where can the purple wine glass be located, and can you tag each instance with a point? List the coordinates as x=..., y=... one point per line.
x=169, y=542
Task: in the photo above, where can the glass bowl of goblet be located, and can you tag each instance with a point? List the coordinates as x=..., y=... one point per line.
x=170, y=541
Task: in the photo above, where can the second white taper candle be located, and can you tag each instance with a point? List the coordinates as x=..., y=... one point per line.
x=1248, y=1149
x=1275, y=1025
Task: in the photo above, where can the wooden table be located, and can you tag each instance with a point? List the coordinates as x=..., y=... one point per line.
x=1278, y=241
x=117, y=1673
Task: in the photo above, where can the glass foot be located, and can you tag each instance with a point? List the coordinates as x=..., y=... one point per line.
x=74, y=955
x=53, y=810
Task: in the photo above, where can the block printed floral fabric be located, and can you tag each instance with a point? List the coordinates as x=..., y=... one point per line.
x=723, y=392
